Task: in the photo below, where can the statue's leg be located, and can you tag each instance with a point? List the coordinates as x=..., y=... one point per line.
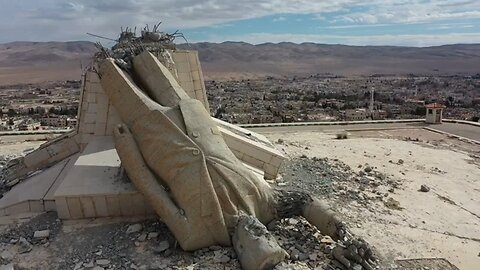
x=256, y=248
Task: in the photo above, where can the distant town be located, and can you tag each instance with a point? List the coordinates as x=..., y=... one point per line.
x=320, y=97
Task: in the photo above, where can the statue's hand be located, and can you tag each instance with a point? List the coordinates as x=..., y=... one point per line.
x=351, y=251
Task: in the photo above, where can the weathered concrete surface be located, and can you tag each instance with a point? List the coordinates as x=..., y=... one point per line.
x=97, y=187
x=33, y=194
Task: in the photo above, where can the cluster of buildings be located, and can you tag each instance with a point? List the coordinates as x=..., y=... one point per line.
x=330, y=98
x=270, y=100
x=43, y=106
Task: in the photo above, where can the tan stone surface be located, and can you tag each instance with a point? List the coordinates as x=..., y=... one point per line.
x=185, y=149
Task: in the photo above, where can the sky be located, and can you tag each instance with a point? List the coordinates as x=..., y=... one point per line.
x=351, y=22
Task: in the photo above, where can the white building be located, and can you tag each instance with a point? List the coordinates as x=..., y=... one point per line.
x=434, y=113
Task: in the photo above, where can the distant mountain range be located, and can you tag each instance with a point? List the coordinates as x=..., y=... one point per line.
x=40, y=61
x=27, y=62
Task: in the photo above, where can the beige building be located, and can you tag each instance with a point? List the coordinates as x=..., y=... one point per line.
x=434, y=113
x=379, y=115
x=54, y=121
x=355, y=114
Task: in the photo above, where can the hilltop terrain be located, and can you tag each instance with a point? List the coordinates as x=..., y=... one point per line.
x=43, y=61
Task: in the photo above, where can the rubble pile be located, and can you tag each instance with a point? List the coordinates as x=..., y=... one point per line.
x=7, y=166
x=150, y=245
x=333, y=179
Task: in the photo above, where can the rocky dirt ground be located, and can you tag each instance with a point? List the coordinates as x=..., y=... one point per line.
x=374, y=183
x=411, y=193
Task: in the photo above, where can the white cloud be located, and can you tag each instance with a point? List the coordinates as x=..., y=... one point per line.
x=413, y=11
x=70, y=20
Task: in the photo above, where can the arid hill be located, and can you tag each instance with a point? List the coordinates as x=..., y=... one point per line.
x=44, y=61
x=28, y=62
x=233, y=59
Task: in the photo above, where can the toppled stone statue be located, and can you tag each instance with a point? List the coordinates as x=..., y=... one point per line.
x=175, y=155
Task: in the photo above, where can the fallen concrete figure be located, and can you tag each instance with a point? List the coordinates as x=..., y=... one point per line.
x=175, y=155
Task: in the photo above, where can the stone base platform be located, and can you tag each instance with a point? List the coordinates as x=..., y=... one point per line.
x=97, y=186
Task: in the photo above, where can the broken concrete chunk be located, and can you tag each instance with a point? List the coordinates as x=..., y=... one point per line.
x=142, y=237
x=103, y=262
x=7, y=267
x=134, y=228
x=424, y=188
x=162, y=246
x=6, y=255
x=41, y=234
x=152, y=235
x=25, y=246
x=88, y=265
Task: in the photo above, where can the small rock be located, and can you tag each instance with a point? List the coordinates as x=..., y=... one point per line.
x=25, y=246
x=303, y=256
x=103, y=262
x=134, y=228
x=292, y=221
x=368, y=169
x=424, y=188
x=7, y=267
x=78, y=266
x=6, y=255
x=89, y=264
x=162, y=246
x=327, y=240
x=98, y=268
x=167, y=252
x=221, y=259
x=357, y=267
x=152, y=235
x=400, y=161
x=142, y=237
x=313, y=257
x=41, y=234
x=294, y=254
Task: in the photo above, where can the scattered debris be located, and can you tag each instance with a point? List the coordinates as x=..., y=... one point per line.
x=342, y=136
x=393, y=204
x=134, y=228
x=25, y=246
x=162, y=246
x=103, y=262
x=424, y=188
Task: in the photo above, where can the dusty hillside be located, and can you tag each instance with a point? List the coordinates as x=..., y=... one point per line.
x=25, y=62
x=44, y=61
x=236, y=58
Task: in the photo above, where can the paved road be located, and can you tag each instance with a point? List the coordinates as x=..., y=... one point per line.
x=464, y=130
x=467, y=131
x=333, y=128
